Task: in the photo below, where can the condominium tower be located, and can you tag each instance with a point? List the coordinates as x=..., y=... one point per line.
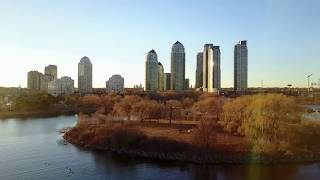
x=62, y=86
x=85, y=75
x=115, y=84
x=199, y=70
x=167, y=81
x=34, y=80
x=51, y=71
x=241, y=66
x=152, y=71
x=211, y=68
x=160, y=77
x=177, y=66
x=38, y=81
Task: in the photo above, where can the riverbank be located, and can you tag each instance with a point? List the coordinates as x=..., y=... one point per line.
x=172, y=143
x=35, y=114
x=50, y=112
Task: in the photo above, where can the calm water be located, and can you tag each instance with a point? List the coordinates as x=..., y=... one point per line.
x=33, y=149
x=315, y=115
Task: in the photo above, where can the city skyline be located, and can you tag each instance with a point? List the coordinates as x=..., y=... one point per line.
x=274, y=29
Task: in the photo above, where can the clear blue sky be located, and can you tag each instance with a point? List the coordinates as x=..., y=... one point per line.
x=283, y=37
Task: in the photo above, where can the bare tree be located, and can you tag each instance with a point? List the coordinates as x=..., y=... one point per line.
x=145, y=109
x=173, y=109
x=204, y=136
x=210, y=106
x=125, y=106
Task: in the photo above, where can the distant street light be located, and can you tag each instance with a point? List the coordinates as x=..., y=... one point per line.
x=289, y=87
x=308, y=77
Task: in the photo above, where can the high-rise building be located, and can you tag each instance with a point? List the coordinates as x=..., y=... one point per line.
x=211, y=68
x=34, y=80
x=38, y=81
x=205, y=68
x=85, y=75
x=199, y=70
x=152, y=71
x=160, y=76
x=67, y=85
x=166, y=81
x=62, y=86
x=241, y=66
x=177, y=66
x=115, y=84
x=51, y=71
x=44, y=80
x=186, y=84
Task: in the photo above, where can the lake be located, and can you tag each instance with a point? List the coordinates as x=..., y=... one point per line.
x=34, y=149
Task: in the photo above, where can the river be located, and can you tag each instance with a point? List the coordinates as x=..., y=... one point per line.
x=34, y=149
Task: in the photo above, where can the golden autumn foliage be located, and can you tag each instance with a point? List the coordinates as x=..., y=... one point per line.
x=267, y=119
x=233, y=114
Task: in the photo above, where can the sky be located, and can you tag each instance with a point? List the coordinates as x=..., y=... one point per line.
x=283, y=37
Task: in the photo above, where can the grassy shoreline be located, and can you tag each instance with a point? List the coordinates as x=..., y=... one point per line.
x=174, y=147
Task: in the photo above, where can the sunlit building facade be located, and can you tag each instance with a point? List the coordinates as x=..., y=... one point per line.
x=211, y=68
x=160, y=77
x=152, y=71
x=241, y=66
x=177, y=66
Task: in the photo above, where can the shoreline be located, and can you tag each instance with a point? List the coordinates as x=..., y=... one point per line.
x=196, y=156
x=45, y=113
x=39, y=114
